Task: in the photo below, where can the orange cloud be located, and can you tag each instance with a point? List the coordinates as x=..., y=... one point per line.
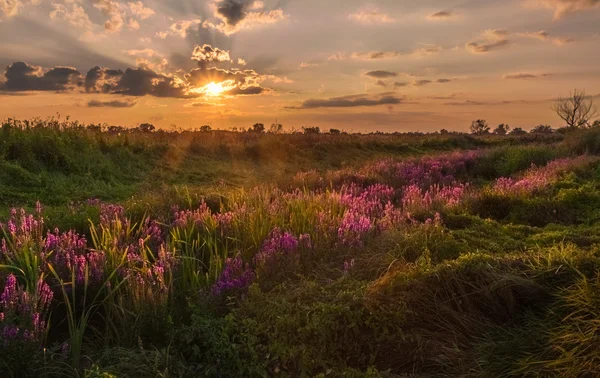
x=564, y=7
x=371, y=16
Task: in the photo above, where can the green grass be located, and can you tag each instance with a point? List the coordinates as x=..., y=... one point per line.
x=505, y=286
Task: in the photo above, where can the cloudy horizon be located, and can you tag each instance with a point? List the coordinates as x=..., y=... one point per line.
x=354, y=65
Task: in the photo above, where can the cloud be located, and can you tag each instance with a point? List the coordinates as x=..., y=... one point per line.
x=101, y=80
x=207, y=54
x=143, y=81
x=75, y=16
x=179, y=29
x=381, y=83
x=145, y=52
x=443, y=81
x=348, y=102
x=523, y=76
x=376, y=55
x=429, y=50
x=381, y=74
x=133, y=24
x=111, y=104
x=371, y=16
x=201, y=104
x=245, y=91
x=136, y=82
x=140, y=10
x=10, y=7
x=304, y=65
x=442, y=15
x=466, y=103
x=235, y=15
x=115, y=12
x=492, y=39
x=21, y=76
x=400, y=84
x=148, y=79
x=543, y=35
x=420, y=83
x=564, y=7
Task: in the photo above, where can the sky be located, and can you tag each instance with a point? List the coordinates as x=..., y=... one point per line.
x=354, y=65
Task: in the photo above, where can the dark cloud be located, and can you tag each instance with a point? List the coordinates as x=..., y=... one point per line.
x=244, y=82
x=478, y=48
x=144, y=81
x=381, y=83
x=440, y=15
x=141, y=81
x=207, y=54
x=420, y=83
x=111, y=104
x=21, y=76
x=251, y=90
x=348, y=102
x=381, y=74
x=374, y=55
x=233, y=11
x=520, y=76
x=467, y=102
x=101, y=80
x=399, y=84
x=443, y=81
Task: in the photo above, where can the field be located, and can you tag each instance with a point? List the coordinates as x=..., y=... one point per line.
x=225, y=254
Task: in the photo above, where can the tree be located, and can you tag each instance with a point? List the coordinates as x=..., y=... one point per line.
x=258, y=128
x=146, y=127
x=479, y=127
x=444, y=132
x=334, y=131
x=311, y=130
x=542, y=129
x=596, y=123
x=518, y=131
x=575, y=110
x=115, y=129
x=205, y=128
x=502, y=129
x=276, y=128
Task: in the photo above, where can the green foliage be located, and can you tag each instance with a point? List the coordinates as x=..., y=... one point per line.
x=505, y=285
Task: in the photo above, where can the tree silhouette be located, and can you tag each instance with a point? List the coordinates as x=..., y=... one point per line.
x=575, y=110
x=518, y=131
x=258, y=128
x=542, y=129
x=146, y=127
x=502, y=129
x=311, y=130
x=480, y=127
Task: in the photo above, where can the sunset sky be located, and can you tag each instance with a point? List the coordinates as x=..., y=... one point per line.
x=389, y=65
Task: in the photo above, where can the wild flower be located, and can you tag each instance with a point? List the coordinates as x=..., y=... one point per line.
x=348, y=266
x=353, y=228
x=537, y=178
x=24, y=315
x=236, y=275
x=415, y=199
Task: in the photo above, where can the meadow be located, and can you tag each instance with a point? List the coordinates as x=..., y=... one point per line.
x=127, y=253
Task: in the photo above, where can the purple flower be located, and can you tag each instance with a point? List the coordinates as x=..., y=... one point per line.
x=235, y=276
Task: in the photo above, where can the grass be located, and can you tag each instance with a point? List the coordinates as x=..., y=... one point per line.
x=223, y=254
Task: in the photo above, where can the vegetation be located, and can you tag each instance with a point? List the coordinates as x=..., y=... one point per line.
x=253, y=254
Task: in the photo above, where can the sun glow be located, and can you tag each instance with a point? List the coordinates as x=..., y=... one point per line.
x=213, y=89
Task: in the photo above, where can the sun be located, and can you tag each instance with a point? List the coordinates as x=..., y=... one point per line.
x=214, y=89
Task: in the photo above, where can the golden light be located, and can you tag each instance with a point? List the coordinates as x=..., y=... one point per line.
x=213, y=89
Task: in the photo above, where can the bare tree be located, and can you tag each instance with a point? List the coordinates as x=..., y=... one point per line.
x=575, y=110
